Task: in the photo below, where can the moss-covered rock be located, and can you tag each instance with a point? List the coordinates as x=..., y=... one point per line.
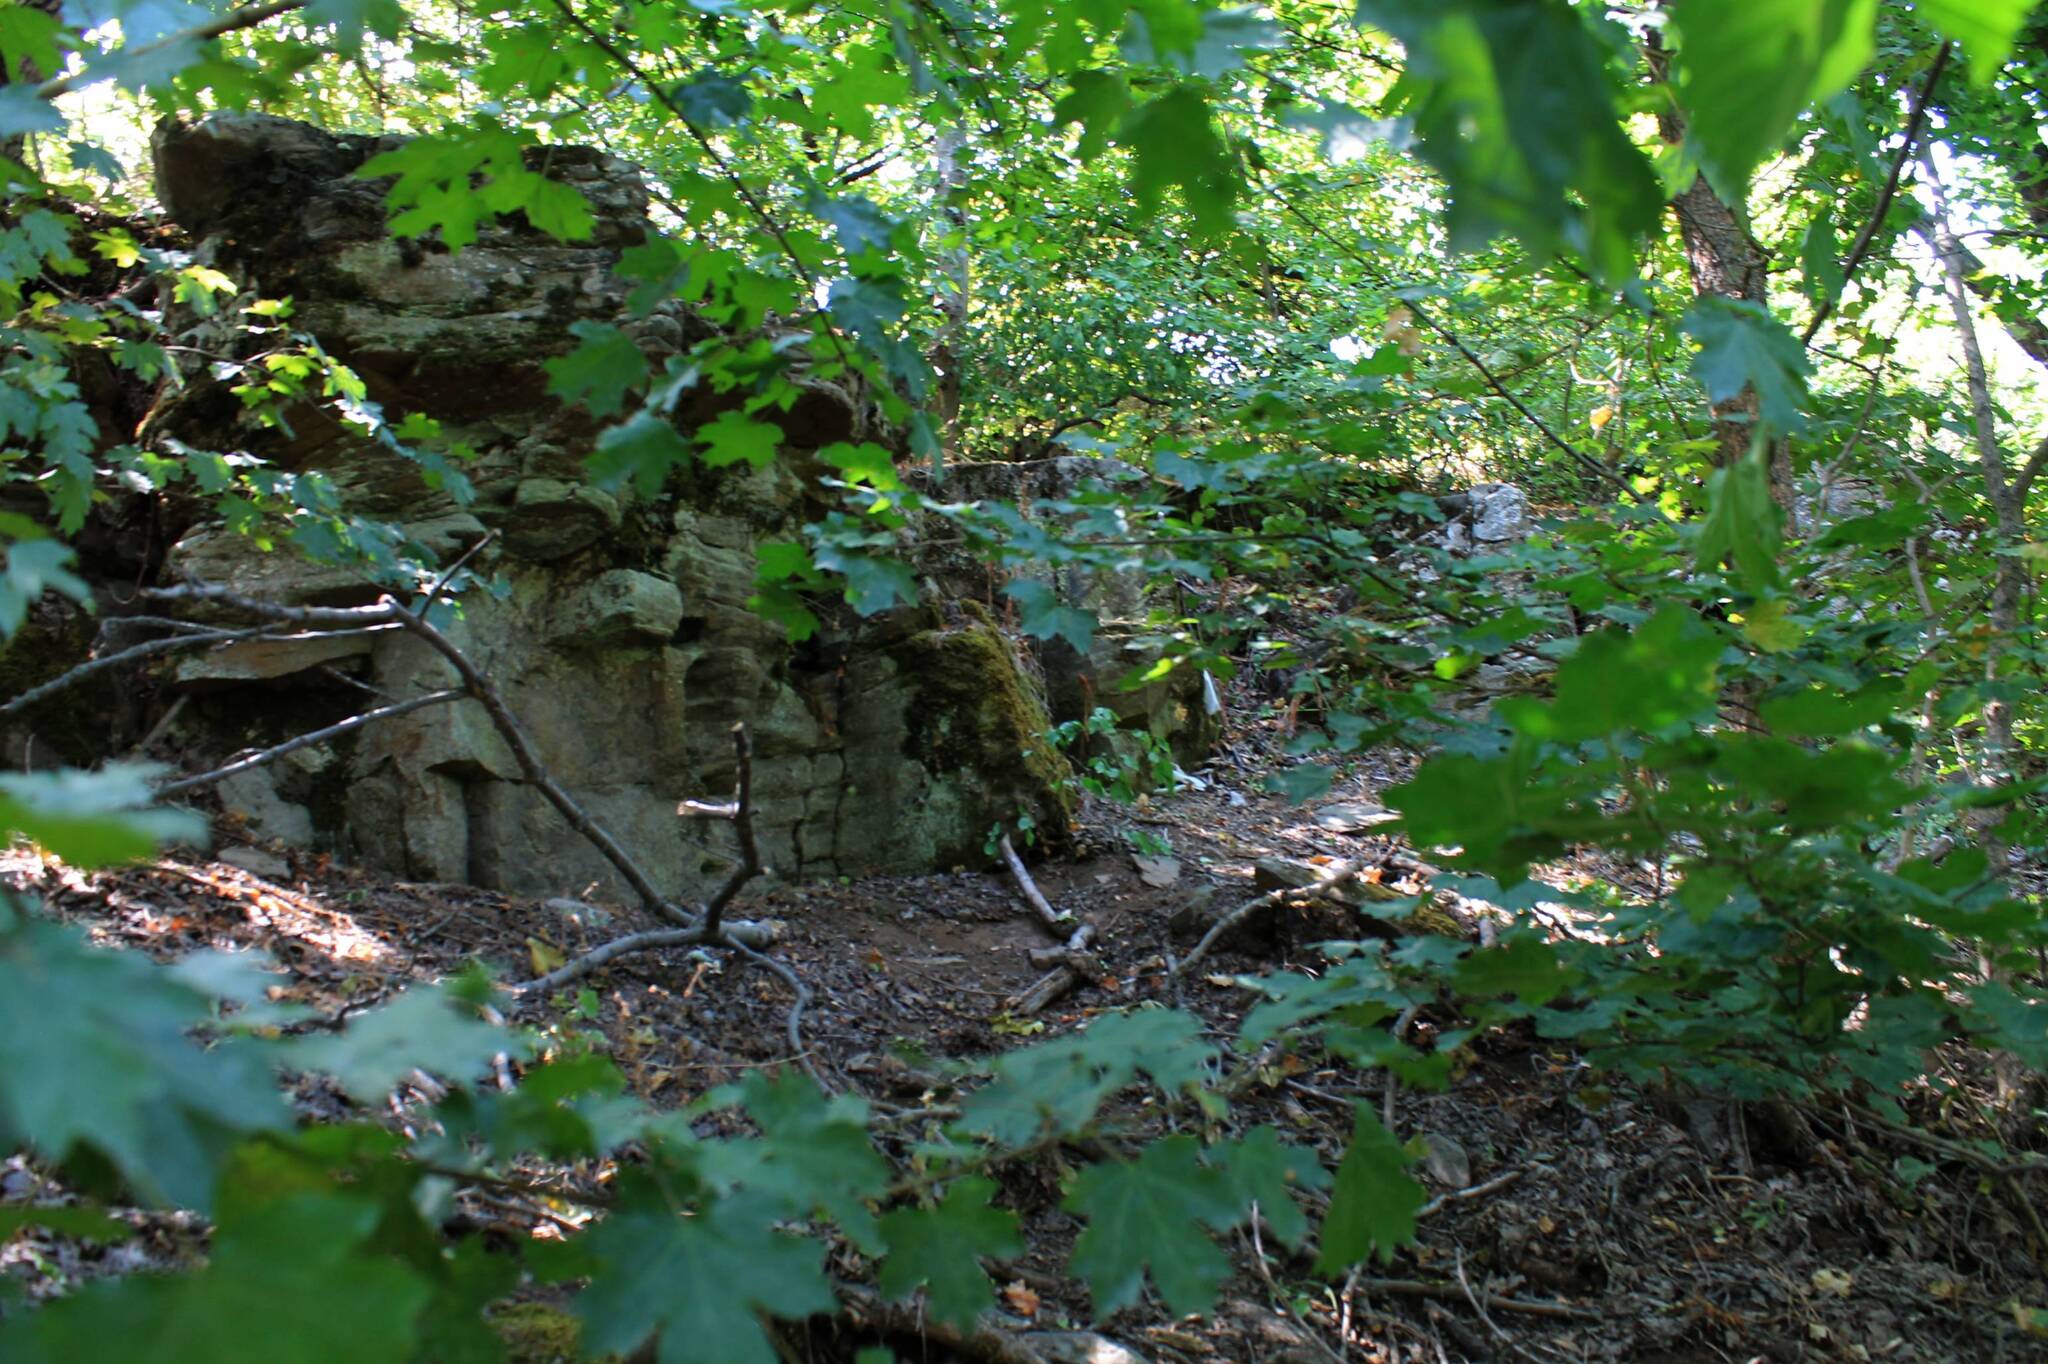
x=538, y=1333
x=975, y=716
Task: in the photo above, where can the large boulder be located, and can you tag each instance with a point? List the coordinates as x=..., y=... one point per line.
x=620, y=633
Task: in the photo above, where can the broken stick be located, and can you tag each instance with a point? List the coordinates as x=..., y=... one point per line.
x=1075, y=962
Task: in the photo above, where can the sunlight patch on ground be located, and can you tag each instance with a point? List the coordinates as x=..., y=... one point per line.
x=272, y=907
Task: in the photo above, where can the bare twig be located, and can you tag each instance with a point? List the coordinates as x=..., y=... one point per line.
x=1074, y=963
x=448, y=574
x=743, y=823
x=246, y=17
x=1443, y=1200
x=307, y=740
x=1450, y=1292
x=1055, y=922
x=1861, y=248
x=1399, y=1033
x=743, y=933
x=793, y=1025
x=132, y=653
x=1329, y=883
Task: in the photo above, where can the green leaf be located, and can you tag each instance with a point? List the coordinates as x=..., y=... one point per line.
x=22, y=112
x=1059, y=1085
x=641, y=450
x=277, y=1286
x=696, y=1281
x=1098, y=101
x=1622, y=681
x=1513, y=103
x=603, y=368
x=860, y=224
x=559, y=210
x=1743, y=346
x=1374, y=1202
x=1302, y=782
x=1987, y=29
x=734, y=437
x=1260, y=1168
x=93, y=819
x=1770, y=626
x=940, y=1249
x=1175, y=144
x=1744, y=522
x=814, y=1153
x=873, y=583
x=1148, y=1214
x=866, y=463
x=1522, y=965
x=112, y=1069
x=28, y=37
x=1747, y=70
x=425, y=1028
x=352, y=19
x=36, y=566
x=1820, y=260
x=1042, y=615
x=1824, y=712
x=711, y=100
x=1227, y=35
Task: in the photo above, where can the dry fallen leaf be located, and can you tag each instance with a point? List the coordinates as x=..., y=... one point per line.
x=546, y=957
x=1157, y=872
x=1019, y=1298
x=1831, y=1281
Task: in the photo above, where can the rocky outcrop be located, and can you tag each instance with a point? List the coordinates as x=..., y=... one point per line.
x=1178, y=708
x=618, y=631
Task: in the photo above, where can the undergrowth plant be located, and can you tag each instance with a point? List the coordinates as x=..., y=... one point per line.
x=1282, y=297
x=1113, y=763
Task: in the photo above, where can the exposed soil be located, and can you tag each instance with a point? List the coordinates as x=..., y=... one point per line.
x=1591, y=1222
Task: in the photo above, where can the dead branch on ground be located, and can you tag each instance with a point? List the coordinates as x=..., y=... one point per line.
x=1071, y=961
x=1330, y=883
x=980, y=1343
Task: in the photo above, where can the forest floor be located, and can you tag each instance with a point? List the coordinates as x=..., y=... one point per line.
x=1571, y=1218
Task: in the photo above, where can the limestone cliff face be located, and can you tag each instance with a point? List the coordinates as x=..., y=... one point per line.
x=622, y=637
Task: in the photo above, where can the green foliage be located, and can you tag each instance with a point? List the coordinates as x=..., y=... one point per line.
x=1514, y=106
x=1115, y=763
x=1162, y=266
x=695, y=1282
x=113, y=1076
x=1372, y=1206
x=1743, y=346
x=938, y=1249
x=1148, y=1214
x=1748, y=70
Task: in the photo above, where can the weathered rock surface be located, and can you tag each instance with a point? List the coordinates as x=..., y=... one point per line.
x=620, y=632
x=1175, y=709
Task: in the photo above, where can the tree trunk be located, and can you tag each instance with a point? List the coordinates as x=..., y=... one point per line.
x=2009, y=581
x=1725, y=262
